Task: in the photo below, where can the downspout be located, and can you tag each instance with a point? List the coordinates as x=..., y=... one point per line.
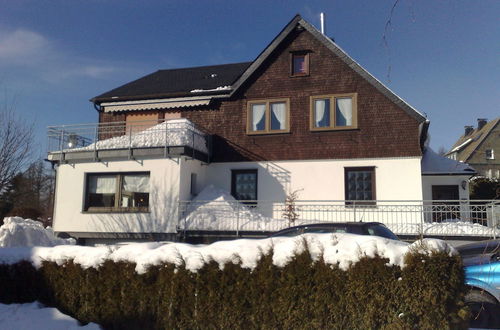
x=423, y=129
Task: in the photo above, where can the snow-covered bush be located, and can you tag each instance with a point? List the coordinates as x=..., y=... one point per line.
x=313, y=281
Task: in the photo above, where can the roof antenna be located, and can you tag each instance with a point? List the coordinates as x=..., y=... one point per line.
x=322, y=19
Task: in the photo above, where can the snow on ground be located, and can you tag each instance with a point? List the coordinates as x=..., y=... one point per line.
x=38, y=317
x=451, y=227
x=175, y=132
x=341, y=249
x=17, y=231
x=216, y=209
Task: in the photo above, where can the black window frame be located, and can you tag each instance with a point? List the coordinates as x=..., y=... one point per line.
x=234, y=173
x=363, y=202
x=118, y=194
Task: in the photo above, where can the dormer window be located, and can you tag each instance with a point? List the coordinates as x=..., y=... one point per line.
x=300, y=64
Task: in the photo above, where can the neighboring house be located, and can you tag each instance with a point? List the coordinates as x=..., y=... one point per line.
x=302, y=116
x=480, y=148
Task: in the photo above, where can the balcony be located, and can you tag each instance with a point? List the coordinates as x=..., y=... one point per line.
x=127, y=140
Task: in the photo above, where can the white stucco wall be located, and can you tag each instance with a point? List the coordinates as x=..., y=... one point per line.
x=440, y=180
x=164, y=194
x=396, y=178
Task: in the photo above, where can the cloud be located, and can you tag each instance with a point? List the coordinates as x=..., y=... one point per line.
x=28, y=51
x=20, y=45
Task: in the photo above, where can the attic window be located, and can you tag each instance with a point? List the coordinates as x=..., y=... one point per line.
x=490, y=154
x=300, y=64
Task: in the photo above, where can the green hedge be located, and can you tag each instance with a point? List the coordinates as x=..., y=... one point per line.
x=427, y=294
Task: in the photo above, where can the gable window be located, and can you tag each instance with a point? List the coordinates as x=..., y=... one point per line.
x=244, y=184
x=117, y=192
x=300, y=64
x=268, y=116
x=490, y=154
x=332, y=112
x=360, y=185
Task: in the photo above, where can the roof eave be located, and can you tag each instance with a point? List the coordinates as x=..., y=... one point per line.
x=99, y=100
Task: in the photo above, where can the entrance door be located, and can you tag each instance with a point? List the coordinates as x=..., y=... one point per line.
x=449, y=209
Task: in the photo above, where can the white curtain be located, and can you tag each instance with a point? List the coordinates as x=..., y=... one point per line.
x=136, y=183
x=102, y=184
x=319, y=111
x=258, y=112
x=279, y=112
x=344, y=111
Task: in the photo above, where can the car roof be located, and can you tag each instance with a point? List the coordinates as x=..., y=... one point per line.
x=481, y=246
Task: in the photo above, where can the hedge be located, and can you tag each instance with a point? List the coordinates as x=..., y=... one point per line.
x=426, y=294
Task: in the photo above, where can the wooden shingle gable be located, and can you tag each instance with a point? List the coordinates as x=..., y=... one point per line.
x=299, y=22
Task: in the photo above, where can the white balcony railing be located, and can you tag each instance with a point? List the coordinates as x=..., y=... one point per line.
x=126, y=135
x=431, y=218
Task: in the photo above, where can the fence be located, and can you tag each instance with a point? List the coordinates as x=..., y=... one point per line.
x=126, y=135
x=443, y=218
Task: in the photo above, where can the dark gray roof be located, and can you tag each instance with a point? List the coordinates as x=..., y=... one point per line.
x=176, y=82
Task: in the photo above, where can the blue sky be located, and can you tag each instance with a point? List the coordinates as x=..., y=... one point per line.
x=444, y=56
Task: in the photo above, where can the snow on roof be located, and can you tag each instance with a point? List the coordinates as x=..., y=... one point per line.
x=432, y=163
x=336, y=249
x=220, y=88
x=457, y=148
x=36, y=316
x=17, y=231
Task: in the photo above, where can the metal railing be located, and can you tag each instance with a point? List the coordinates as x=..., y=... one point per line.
x=439, y=218
x=126, y=135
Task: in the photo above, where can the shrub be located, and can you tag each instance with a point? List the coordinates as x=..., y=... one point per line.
x=427, y=293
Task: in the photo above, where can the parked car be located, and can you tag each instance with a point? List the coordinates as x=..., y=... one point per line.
x=360, y=228
x=482, y=275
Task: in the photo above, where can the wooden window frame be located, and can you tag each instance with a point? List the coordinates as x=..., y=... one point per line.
x=307, y=63
x=489, y=154
x=118, y=195
x=372, y=202
x=332, y=98
x=267, y=129
x=234, y=173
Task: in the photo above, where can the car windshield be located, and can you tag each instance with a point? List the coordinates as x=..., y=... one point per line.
x=382, y=231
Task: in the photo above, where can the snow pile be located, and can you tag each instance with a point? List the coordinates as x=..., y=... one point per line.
x=175, y=132
x=453, y=227
x=17, y=231
x=37, y=316
x=337, y=249
x=216, y=209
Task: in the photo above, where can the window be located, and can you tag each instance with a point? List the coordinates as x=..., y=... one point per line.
x=117, y=192
x=490, y=154
x=268, y=116
x=244, y=184
x=300, y=64
x=193, y=185
x=332, y=112
x=360, y=185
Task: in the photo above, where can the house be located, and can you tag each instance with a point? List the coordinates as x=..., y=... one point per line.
x=303, y=116
x=480, y=148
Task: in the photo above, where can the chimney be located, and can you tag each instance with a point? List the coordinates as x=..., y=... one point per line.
x=481, y=122
x=468, y=130
x=322, y=19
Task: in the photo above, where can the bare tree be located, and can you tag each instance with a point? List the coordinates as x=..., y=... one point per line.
x=16, y=140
